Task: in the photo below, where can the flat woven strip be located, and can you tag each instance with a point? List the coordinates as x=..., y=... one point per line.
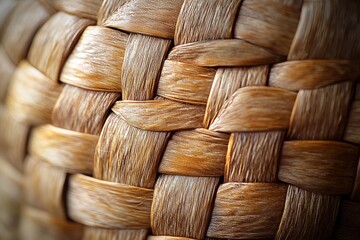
x=179, y=120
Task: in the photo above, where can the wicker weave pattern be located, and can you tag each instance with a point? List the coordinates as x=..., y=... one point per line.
x=197, y=119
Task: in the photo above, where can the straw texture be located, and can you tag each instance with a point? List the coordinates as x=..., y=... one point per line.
x=180, y=120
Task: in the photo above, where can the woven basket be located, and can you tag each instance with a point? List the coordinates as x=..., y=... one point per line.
x=179, y=119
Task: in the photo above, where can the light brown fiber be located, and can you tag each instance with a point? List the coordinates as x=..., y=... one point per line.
x=69, y=150
x=32, y=95
x=226, y=53
x=71, y=113
x=248, y=210
x=185, y=82
x=198, y=152
x=140, y=75
x=237, y=113
x=191, y=219
x=304, y=212
x=160, y=115
x=105, y=204
x=119, y=161
x=96, y=62
x=49, y=55
x=152, y=17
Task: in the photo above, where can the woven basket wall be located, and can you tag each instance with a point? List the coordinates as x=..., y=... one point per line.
x=179, y=119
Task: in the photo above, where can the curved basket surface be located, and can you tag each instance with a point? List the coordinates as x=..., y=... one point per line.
x=179, y=120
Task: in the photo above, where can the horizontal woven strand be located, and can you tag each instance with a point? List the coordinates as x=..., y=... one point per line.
x=152, y=17
x=226, y=53
x=106, y=204
x=96, y=62
x=237, y=114
x=326, y=167
x=310, y=74
x=32, y=95
x=198, y=152
x=80, y=8
x=185, y=82
x=72, y=151
x=93, y=233
x=160, y=115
